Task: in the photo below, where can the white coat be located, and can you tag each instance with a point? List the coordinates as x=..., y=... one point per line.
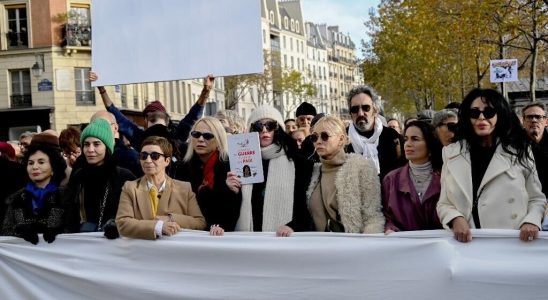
x=509, y=194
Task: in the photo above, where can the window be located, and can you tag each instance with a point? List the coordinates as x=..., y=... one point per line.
x=292, y=64
x=78, y=27
x=286, y=22
x=84, y=92
x=156, y=91
x=291, y=44
x=292, y=25
x=172, y=96
x=285, y=61
x=17, y=27
x=272, y=17
x=20, y=88
x=123, y=95
x=297, y=27
x=136, y=96
x=283, y=42
x=264, y=36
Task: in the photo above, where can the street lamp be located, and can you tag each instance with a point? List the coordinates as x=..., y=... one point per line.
x=38, y=68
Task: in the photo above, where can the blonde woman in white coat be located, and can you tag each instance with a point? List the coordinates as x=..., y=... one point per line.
x=488, y=177
x=344, y=193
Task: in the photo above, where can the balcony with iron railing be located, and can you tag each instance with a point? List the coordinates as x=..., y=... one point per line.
x=21, y=101
x=77, y=35
x=17, y=40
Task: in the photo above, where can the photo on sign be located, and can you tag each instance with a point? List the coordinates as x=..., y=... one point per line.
x=504, y=70
x=244, y=152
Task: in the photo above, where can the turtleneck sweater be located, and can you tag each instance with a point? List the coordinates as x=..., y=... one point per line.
x=326, y=199
x=421, y=176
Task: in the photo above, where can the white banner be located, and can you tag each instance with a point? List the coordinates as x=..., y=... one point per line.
x=159, y=40
x=194, y=265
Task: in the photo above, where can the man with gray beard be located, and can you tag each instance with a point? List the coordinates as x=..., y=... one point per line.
x=367, y=134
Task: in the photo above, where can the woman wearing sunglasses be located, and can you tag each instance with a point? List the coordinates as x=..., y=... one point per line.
x=94, y=188
x=445, y=122
x=156, y=205
x=205, y=166
x=38, y=207
x=277, y=204
x=344, y=194
x=410, y=193
x=489, y=178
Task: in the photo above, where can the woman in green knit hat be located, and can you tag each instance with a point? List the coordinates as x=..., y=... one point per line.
x=94, y=189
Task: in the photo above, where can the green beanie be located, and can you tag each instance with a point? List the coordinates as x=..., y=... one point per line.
x=99, y=128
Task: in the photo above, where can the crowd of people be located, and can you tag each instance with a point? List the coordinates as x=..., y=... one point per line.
x=477, y=164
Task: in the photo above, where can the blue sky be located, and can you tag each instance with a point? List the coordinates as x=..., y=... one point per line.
x=348, y=14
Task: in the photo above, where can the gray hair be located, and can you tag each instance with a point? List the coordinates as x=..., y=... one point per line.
x=235, y=121
x=534, y=104
x=365, y=89
x=27, y=134
x=442, y=115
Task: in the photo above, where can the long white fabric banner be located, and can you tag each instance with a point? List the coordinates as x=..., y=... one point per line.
x=194, y=265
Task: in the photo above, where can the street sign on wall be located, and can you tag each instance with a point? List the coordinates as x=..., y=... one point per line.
x=45, y=85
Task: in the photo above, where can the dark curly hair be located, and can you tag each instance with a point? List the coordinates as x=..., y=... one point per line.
x=432, y=143
x=56, y=160
x=508, y=131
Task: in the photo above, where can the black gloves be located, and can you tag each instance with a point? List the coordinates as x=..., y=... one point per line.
x=111, y=231
x=28, y=233
x=49, y=235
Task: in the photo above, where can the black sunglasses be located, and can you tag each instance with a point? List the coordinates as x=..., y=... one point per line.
x=450, y=126
x=488, y=112
x=269, y=125
x=356, y=108
x=534, y=117
x=153, y=155
x=323, y=135
x=197, y=134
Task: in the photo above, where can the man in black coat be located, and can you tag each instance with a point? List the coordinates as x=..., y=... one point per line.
x=534, y=122
x=367, y=134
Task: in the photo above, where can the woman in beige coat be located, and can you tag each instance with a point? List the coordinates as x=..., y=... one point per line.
x=489, y=178
x=156, y=205
x=344, y=194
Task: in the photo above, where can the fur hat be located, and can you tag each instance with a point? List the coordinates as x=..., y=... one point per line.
x=7, y=151
x=266, y=112
x=45, y=139
x=153, y=107
x=305, y=109
x=100, y=129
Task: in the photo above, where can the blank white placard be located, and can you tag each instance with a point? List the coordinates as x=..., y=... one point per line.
x=160, y=40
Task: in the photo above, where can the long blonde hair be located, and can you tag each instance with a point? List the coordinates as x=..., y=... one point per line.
x=220, y=138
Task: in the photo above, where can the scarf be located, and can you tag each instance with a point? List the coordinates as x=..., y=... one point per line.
x=209, y=174
x=278, y=198
x=39, y=195
x=367, y=146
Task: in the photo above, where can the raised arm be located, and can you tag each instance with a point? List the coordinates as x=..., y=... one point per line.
x=196, y=110
x=125, y=125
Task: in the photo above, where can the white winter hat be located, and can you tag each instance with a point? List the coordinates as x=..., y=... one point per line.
x=265, y=112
